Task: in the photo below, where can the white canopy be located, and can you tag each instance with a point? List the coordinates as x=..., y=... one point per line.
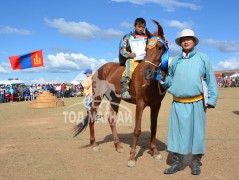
x=75, y=82
x=234, y=75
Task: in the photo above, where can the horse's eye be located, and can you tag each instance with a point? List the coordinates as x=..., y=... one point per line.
x=160, y=48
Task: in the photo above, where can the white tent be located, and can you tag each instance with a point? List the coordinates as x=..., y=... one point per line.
x=234, y=75
x=12, y=82
x=76, y=82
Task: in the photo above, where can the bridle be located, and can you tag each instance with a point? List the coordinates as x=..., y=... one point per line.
x=152, y=44
x=153, y=64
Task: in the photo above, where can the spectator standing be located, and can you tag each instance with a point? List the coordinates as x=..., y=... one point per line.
x=63, y=90
x=2, y=94
x=58, y=90
x=87, y=85
x=32, y=93
x=26, y=94
x=11, y=94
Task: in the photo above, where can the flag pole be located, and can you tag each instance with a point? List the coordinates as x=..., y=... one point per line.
x=44, y=69
x=44, y=72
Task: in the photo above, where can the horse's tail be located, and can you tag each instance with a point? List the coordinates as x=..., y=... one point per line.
x=81, y=126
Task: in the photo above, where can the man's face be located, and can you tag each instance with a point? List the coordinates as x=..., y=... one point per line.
x=88, y=74
x=139, y=28
x=187, y=43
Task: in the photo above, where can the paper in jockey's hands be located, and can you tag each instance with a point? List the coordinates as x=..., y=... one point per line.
x=138, y=47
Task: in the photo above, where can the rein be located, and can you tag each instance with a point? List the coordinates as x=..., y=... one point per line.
x=153, y=64
x=159, y=87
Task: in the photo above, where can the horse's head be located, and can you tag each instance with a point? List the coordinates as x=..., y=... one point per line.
x=157, y=49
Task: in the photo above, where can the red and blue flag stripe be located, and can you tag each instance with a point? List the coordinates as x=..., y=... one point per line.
x=25, y=61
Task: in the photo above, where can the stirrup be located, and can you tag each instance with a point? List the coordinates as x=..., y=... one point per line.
x=125, y=95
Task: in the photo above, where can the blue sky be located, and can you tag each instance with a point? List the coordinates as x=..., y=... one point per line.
x=76, y=35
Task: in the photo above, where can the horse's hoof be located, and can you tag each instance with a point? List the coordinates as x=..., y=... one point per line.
x=96, y=148
x=120, y=150
x=158, y=157
x=131, y=163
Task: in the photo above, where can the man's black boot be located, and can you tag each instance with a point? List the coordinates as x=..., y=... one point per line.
x=196, y=163
x=177, y=164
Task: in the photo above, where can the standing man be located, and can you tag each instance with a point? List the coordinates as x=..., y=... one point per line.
x=87, y=84
x=126, y=57
x=2, y=94
x=11, y=93
x=63, y=90
x=186, y=130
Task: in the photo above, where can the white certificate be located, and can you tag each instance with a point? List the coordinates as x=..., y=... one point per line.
x=205, y=91
x=138, y=47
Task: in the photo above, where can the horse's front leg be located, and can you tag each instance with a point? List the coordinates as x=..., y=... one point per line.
x=154, y=116
x=137, y=130
x=112, y=121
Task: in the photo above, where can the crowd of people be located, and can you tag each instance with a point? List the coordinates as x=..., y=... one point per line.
x=227, y=81
x=29, y=93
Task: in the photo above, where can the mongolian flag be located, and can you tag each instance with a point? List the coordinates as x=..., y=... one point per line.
x=29, y=60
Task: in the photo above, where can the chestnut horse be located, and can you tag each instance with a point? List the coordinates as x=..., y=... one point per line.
x=144, y=92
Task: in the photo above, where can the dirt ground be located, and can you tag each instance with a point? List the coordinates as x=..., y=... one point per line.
x=39, y=144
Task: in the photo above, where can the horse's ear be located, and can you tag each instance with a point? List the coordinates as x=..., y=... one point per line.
x=160, y=31
x=149, y=34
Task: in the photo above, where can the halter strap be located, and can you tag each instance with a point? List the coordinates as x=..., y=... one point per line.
x=153, y=64
x=164, y=57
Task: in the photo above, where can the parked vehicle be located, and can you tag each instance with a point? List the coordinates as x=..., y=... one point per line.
x=12, y=83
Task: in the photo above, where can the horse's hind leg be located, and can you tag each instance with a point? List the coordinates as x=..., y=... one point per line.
x=114, y=103
x=95, y=104
x=154, y=116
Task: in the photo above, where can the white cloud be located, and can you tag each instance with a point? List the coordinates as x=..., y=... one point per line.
x=11, y=30
x=82, y=30
x=5, y=68
x=71, y=62
x=168, y=5
x=112, y=34
x=231, y=63
x=126, y=24
x=225, y=46
x=30, y=80
x=78, y=30
x=180, y=25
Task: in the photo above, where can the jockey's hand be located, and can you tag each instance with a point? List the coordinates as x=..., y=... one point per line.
x=132, y=55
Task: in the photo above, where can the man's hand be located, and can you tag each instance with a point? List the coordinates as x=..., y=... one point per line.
x=209, y=106
x=162, y=75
